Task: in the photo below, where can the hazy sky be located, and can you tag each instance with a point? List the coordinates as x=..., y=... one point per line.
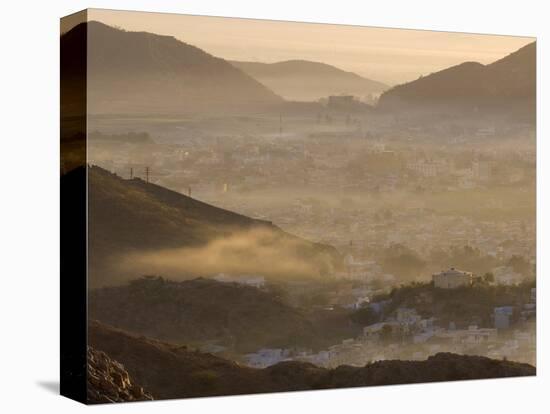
x=388, y=55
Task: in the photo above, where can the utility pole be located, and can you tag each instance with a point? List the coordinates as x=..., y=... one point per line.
x=280, y=125
x=189, y=191
x=131, y=173
x=147, y=174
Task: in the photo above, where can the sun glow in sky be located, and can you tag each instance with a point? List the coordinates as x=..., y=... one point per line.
x=388, y=55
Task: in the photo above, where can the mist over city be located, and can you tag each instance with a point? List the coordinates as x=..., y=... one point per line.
x=292, y=210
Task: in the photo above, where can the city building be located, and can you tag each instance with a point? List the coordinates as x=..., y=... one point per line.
x=266, y=357
x=452, y=279
x=255, y=281
x=502, y=316
x=408, y=318
x=429, y=168
x=341, y=101
x=376, y=331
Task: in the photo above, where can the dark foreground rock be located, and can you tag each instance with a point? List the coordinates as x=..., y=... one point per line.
x=108, y=381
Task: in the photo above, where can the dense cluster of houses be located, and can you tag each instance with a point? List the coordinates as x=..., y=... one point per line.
x=405, y=334
x=336, y=159
x=410, y=337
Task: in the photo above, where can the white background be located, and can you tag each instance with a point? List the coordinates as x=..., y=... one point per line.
x=29, y=226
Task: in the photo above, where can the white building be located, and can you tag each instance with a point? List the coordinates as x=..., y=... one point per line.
x=429, y=168
x=475, y=335
x=255, y=281
x=408, y=319
x=452, y=279
x=423, y=337
x=357, y=270
x=266, y=357
x=469, y=337
x=374, y=331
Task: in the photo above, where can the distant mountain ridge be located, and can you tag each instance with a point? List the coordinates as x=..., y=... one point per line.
x=509, y=82
x=146, y=73
x=304, y=80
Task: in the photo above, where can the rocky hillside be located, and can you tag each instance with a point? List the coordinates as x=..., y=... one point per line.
x=169, y=371
x=109, y=382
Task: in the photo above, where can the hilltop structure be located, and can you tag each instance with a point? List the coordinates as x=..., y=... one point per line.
x=452, y=279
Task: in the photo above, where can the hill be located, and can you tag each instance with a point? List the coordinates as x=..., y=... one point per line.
x=302, y=80
x=508, y=84
x=142, y=228
x=234, y=315
x=464, y=306
x=108, y=381
x=146, y=73
x=169, y=371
